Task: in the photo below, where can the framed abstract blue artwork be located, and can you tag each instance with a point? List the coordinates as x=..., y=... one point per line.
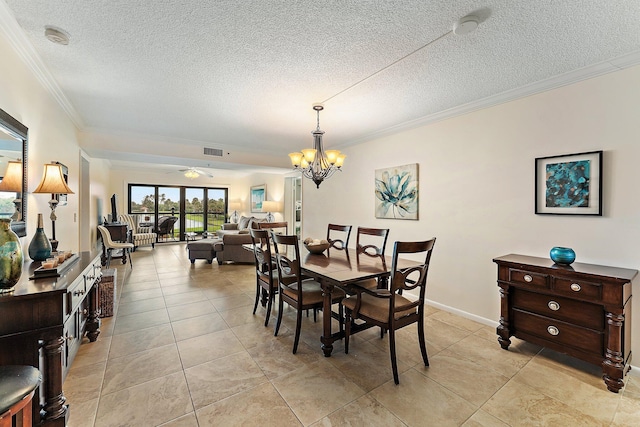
x=397, y=192
x=570, y=184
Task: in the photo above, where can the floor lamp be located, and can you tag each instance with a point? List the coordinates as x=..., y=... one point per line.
x=53, y=182
x=12, y=183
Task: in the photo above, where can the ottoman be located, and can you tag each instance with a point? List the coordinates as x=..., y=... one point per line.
x=202, y=249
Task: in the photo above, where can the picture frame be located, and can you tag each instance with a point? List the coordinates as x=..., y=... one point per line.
x=396, y=192
x=257, y=196
x=62, y=198
x=569, y=184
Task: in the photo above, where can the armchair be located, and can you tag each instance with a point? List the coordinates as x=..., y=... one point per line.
x=139, y=235
x=165, y=224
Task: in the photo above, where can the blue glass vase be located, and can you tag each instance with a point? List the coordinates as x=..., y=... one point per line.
x=40, y=247
x=562, y=256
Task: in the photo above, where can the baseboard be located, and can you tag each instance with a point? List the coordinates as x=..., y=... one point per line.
x=461, y=313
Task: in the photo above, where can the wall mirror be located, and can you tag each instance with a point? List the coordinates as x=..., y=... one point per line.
x=13, y=147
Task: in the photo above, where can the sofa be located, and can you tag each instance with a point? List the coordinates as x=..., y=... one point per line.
x=231, y=238
x=227, y=246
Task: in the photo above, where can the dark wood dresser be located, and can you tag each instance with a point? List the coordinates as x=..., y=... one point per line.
x=582, y=310
x=42, y=323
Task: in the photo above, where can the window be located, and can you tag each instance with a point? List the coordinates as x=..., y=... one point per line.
x=198, y=209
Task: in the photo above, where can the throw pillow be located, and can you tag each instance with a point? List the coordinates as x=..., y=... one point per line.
x=243, y=223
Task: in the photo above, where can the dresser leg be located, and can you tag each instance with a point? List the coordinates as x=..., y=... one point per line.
x=93, y=321
x=55, y=410
x=503, y=328
x=613, y=364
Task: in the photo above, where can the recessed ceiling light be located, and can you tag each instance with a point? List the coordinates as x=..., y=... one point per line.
x=56, y=35
x=466, y=25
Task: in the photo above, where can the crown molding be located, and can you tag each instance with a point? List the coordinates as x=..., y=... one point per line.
x=615, y=64
x=25, y=50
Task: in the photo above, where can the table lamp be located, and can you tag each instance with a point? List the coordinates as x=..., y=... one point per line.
x=12, y=183
x=234, y=206
x=270, y=206
x=53, y=183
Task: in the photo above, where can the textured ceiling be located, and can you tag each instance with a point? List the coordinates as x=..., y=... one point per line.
x=242, y=75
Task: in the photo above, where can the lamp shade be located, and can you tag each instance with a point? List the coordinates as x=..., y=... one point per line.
x=53, y=181
x=235, y=206
x=12, y=179
x=270, y=206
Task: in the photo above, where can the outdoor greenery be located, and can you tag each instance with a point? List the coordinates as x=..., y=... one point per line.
x=166, y=204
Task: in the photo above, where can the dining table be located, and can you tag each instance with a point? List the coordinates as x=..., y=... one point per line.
x=343, y=268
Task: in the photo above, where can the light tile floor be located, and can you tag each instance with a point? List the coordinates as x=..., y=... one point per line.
x=183, y=349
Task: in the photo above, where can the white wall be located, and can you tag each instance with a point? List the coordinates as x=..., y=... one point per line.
x=477, y=188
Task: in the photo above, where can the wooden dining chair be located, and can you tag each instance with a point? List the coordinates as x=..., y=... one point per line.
x=299, y=292
x=371, y=242
x=340, y=230
x=266, y=271
x=389, y=309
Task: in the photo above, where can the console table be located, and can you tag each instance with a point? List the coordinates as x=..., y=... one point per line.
x=582, y=310
x=43, y=322
x=119, y=233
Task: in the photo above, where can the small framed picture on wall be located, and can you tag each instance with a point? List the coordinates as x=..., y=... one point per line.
x=569, y=184
x=258, y=195
x=62, y=198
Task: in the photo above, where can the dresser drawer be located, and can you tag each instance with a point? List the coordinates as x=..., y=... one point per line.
x=75, y=294
x=577, y=288
x=529, y=278
x=559, y=332
x=571, y=311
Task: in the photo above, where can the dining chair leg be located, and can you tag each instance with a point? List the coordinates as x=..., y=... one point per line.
x=423, y=346
x=298, y=327
x=108, y=258
x=130, y=262
x=280, y=307
x=341, y=316
x=392, y=351
x=255, y=304
x=347, y=330
x=269, y=302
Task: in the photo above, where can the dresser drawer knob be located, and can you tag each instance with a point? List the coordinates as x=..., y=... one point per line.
x=575, y=287
x=553, y=305
x=528, y=278
x=553, y=330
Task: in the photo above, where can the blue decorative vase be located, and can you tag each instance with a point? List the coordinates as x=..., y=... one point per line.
x=40, y=246
x=562, y=256
x=10, y=257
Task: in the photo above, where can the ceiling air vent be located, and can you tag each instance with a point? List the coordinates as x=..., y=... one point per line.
x=212, y=152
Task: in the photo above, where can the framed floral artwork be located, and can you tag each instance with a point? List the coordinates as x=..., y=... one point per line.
x=396, y=192
x=258, y=195
x=570, y=184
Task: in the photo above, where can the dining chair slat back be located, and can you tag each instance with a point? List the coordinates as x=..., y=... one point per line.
x=343, y=231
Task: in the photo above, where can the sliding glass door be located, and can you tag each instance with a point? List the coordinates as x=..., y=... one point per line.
x=192, y=211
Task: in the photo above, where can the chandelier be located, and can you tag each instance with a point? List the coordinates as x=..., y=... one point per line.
x=316, y=163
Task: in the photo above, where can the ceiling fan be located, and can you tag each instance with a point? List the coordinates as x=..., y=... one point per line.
x=193, y=173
